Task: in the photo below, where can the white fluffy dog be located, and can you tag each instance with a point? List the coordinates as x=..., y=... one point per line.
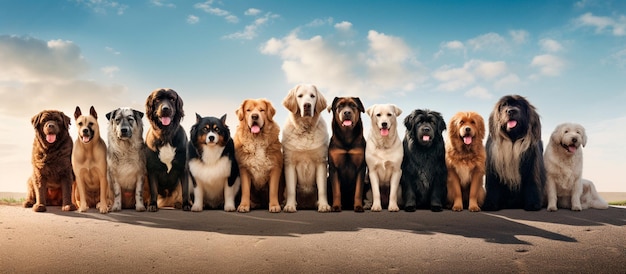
x=305, y=149
x=563, y=160
x=383, y=154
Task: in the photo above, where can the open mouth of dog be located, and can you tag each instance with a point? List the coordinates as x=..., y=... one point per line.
x=511, y=124
x=255, y=128
x=467, y=139
x=384, y=130
x=569, y=148
x=165, y=120
x=51, y=138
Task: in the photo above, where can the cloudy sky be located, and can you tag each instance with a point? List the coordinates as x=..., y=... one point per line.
x=567, y=57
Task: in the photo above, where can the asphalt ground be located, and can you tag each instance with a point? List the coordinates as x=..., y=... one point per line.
x=173, y=241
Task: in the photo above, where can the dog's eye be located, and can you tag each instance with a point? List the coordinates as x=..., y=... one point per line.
x=378, y=114
x=90, y=124
x=312, y=95
x=205, y=130
x=118, y=120
x=300, y=95
x=130, y=119
x=80, y=124
x=566, y=131
x=461, y=122
x=262, y=110
x=248, y=110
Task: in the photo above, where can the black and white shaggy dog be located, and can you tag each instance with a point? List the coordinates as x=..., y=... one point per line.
x=515, y=173
x=213, y=169
x=424, y=171
x=166, y=156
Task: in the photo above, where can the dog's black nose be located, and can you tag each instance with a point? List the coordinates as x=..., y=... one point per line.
x=467, y=129
x=307, y=105
x=211, y=138
x=574, y=140
x=385, y=124
x=165, y=108
x=347, y=113
x=426, y=129
x=511, y=111
x=254, y=116
x=124, y=130
x=85, y=131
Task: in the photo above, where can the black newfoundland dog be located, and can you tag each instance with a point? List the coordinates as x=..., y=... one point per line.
x=424, y=172
x=515, y=174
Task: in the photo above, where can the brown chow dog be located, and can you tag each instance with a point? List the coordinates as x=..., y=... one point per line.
x=258, y=152
x=89, y=161
x=346, y=153
x=465, y=158
x=52, y=164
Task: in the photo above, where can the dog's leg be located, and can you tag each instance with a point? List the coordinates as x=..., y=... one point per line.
x=577, y=192
x=358, y=192
x=275, y=174
x=117, y=196
x=336, y=185
x=320, y=178
x=103, y=204
x=290, y=180
x=30, y=197
x=393, y=191
x=454, y=190
x=551, y=194
x=153, y=183
x=198, y=200
x=82, y=193
x=41, y=189
x=408, y=192
x=229, y=195
x=244, y=205
x=184, y=182
x=477, y=192
x=139, y=206
x=374, y=182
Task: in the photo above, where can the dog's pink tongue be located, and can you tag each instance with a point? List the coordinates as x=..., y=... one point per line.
x=384, y=131
x=571, y=149
x=255, y=129
x=467, y=140
x=425, y=138
x=85, y=139
x=511, y=124
x=347, y=123
x=51, y=138
x=166, y=121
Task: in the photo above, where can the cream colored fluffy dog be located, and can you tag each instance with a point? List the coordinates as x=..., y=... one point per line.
x=383, y=154
x=305, y=149
x=563, y=159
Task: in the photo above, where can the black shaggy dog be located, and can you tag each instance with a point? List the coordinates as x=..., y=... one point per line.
x=424, y=171
x=166, y=155
x=515, y=174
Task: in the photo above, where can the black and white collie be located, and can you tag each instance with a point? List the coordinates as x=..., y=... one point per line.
x=213, y=169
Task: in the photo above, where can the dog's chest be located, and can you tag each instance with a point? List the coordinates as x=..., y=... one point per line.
x=465, y=173
x=166, y=155
x=211, y=167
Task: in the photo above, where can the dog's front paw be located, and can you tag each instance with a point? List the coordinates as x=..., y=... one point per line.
x=229, y=208
x=274, y=208
x=474, y=208
x=70, y=207
x=83, y=209
x=457, y=207
x=436, y=208
x=552, y=208
x=39, y=208
x=376, y=207
x=324, y=208
x=359, y=208
x=187, y=206
x=577, y=208
x=290, y=208
x=243, y=208
x=153, y=207
x=393, y=208
x=197, y=207
x=117, y=206
x=28, y=204
x=140, y=208
x=102, y=207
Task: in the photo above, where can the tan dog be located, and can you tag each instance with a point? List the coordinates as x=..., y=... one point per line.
x=465, y=158
x=89, y=161
x=305, y=149
x=258, y=152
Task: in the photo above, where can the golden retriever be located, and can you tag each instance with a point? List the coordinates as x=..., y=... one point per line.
x=258, y=152
x=305, y=149
x=465, y=158
x=563, y=160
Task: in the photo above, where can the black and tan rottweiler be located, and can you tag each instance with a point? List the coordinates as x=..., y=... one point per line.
x=346, y=154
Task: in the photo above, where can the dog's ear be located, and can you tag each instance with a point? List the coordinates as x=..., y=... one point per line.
x=179, y=105
x=36, y=120
x=138, y=114
x=441, y=123
x=408, y=121
x=77, y=112
x=111, y=114
x=331, y=108
x=480, y=126
x=321, y=103
x=240, y=111
x=396, y=110
x=535, y=122
x=369, y=110
x=92, y=112
x=271, y=111
x=359, y=105
x=223, y=119
x=198, y=118
x=583, y=133
x=290, y=101
x=66, y=120
x=150, y=105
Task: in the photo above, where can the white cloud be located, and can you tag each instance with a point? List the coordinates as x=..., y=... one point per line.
x=488, y=70
x=162, y=3
x=507, y=82
x=519, y=36
x=602, y=23
x=103, y=6
x=479, y=92
x=343, y=26
x=208, y=8
x=619, y=58
x=110, y=70
x=251, y=31
x=455, y=46
x=489, y=41
x=112, y=51
x=28, y=59
x=252, y=12
x=550, y=45
x=453, y=79
x=320, y=22
x=192, y=19
x=548, y=65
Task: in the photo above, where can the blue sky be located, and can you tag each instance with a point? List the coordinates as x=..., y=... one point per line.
x=567, y=57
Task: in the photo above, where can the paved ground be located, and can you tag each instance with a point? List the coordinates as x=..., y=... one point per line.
x=172, y=241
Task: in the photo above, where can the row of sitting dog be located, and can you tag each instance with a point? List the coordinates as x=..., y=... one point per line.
x=307, y=168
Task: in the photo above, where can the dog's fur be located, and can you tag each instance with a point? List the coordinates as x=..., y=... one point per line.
x=166, y=156
x=259, y=155
x=346, y=154
x=563, y=159
x=126, y=159
x=89, y=161
x=305, y=149
x=52, y=164
x=515, y=173
x=424, y=172
x=465, y=159
x=383, y=155
x=213, y=169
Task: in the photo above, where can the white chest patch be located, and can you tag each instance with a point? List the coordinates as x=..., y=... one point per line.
x=166, y=155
